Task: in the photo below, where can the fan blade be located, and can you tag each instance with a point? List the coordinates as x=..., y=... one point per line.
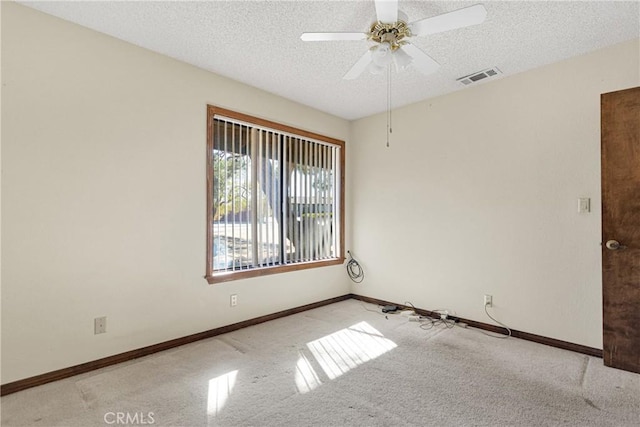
x=423, y=62
x=320, y=37
x=449, y=21
x=359, y=66
x=387, y=11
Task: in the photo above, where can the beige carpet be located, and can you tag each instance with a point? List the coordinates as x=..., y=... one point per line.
x=341, y=365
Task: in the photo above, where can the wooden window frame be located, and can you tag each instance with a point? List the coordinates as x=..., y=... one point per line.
x=212, y=278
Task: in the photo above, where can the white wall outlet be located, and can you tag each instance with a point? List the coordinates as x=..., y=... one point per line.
x=233, y=300
x=99, y=325
x=488, y=301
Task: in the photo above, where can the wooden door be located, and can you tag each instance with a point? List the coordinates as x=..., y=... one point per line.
x=620, y=127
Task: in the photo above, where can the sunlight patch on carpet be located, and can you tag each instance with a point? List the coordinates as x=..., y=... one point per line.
x=220, y=389
x=306, y=377
x=342, y=351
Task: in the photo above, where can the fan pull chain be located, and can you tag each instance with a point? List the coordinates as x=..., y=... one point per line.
x=389, y=127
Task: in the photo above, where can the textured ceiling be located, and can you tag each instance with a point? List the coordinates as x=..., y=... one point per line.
x=258, y=42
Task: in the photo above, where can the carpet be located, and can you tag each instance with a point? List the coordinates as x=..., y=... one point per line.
x=344, y=364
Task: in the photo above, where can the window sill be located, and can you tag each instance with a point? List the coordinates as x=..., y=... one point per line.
x=265, y=271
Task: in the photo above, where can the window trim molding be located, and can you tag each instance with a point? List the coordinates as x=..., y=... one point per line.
x=263, y=271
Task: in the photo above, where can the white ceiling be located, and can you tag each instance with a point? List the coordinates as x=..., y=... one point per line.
x=258, y=42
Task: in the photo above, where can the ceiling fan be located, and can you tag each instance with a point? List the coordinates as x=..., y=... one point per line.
x=390, y=34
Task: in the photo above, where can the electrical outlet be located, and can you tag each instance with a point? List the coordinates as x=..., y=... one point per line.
x=233, y=301
x=99, y=325
x=488, y=301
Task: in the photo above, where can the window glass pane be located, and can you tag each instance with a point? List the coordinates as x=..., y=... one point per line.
x=232, y=198
x=310, y=193
x=270, y=205
x=273, y=198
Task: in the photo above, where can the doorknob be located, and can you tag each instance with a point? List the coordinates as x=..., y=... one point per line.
x=614, y=245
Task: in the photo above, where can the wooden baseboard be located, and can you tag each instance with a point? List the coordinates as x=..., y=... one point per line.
x=145, y=351
x=493, y=328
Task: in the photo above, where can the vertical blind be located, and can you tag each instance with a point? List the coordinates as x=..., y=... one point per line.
x=275, y=197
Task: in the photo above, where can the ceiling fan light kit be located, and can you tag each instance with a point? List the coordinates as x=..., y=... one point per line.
x=390, y=35
x=402, y=60
x=383, y=55
x=380, y=58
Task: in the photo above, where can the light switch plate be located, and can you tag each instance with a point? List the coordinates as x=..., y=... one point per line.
x=584, y=205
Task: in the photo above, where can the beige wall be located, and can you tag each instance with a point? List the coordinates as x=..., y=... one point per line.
x=478, y=195
x=103, y=197
x=103, y=205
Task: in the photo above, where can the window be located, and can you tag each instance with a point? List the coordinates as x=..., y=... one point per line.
x=275, y=197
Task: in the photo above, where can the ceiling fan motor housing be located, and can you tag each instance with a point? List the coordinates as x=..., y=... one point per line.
x=390, y=33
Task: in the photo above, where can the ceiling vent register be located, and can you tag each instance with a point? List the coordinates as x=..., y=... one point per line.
x=480, y=75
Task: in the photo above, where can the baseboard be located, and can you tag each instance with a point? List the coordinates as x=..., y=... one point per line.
x=493, y=328
x=145, y=351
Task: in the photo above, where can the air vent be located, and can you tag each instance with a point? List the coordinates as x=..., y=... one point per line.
x=480, y=75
